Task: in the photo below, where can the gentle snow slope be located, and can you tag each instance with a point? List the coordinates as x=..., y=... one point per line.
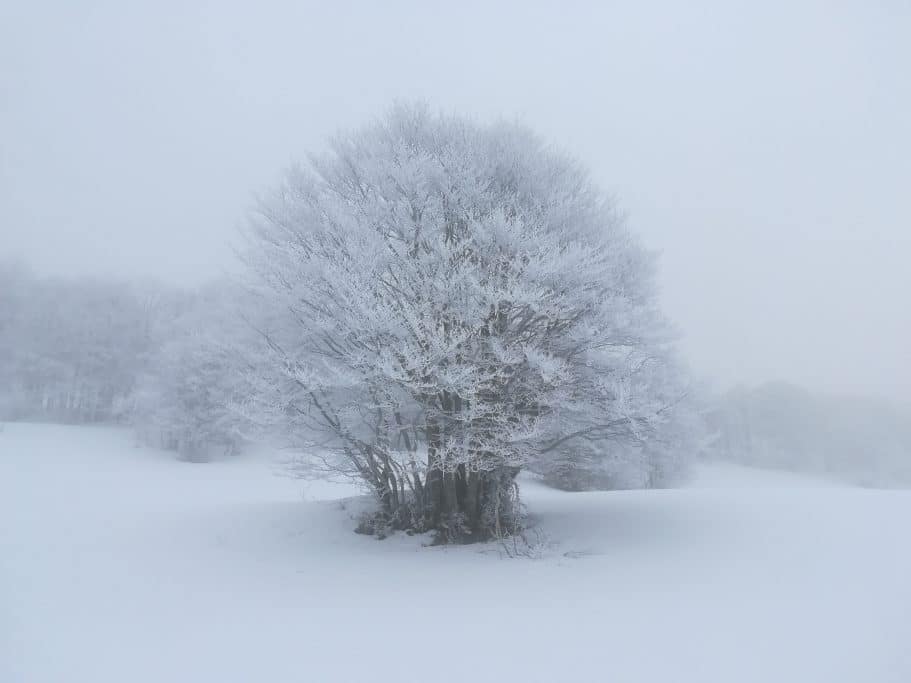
x=121, y=564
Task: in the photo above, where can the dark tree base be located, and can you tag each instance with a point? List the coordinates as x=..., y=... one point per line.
x=458, y=508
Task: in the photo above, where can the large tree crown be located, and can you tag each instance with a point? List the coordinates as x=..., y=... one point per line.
x=488, y=202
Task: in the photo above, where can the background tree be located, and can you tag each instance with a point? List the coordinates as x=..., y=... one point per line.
x=191, y=396
x=658, y=457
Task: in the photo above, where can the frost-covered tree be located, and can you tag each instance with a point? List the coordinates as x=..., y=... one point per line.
x=188, y=398
x=657, y=458
x=457, y=301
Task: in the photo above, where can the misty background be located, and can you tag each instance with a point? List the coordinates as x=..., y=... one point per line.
x=443, y=317
x=766, y=159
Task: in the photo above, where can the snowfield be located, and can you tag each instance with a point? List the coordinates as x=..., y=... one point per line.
x=120, y=564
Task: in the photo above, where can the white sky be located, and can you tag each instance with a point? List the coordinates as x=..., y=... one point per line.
x=763, y=147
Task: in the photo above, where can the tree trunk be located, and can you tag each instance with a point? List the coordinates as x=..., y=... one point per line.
x=473, y=500
x=433, y=488
x=469, y=507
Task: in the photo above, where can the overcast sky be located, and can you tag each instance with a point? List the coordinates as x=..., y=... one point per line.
x=764, y=148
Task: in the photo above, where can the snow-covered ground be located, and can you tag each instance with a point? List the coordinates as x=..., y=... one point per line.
x=120, y=564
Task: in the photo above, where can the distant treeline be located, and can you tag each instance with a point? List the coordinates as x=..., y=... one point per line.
x=97, y=351
x=777, y=425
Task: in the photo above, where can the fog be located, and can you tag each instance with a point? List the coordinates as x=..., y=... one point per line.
x=763, y=148
x=243, y=402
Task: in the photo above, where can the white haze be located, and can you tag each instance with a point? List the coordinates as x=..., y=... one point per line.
x=763, y=148
x=442, y=315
